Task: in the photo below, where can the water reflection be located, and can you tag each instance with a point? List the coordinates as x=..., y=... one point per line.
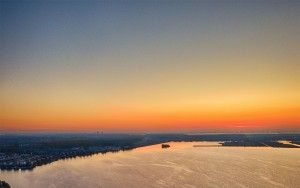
x=181, y=165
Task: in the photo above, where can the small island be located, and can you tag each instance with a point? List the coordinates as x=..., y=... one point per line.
x=165, y=146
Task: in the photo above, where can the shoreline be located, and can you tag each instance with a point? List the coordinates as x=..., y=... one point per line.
x=30, y=167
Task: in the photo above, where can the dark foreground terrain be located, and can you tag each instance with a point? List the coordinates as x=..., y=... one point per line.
x=26, y=151
x=3, y=184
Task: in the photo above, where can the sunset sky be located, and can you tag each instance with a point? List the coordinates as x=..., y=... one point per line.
x=150, y=66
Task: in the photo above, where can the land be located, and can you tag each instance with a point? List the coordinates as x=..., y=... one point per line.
x=26, y=151
x=3, y=184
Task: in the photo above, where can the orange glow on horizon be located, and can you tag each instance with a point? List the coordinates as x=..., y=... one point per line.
x=231, y=120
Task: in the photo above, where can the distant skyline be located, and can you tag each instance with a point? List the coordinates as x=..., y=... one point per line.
x=215, y=66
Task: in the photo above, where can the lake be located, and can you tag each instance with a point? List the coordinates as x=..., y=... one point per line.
x=184, y=164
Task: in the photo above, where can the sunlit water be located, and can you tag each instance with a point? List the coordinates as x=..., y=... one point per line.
x=181, y=165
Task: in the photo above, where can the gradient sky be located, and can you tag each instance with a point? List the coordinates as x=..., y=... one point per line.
x=150, y=65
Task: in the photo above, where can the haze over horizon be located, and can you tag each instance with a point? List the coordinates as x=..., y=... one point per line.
x=150, y=66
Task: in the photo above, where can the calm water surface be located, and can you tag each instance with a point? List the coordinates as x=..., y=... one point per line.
x=181, y=165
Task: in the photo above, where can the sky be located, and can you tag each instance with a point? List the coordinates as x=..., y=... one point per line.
x=211, y=66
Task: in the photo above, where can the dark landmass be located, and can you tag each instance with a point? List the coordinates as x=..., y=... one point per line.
x=296, y=142
x=3, y=184
x=26, y=151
